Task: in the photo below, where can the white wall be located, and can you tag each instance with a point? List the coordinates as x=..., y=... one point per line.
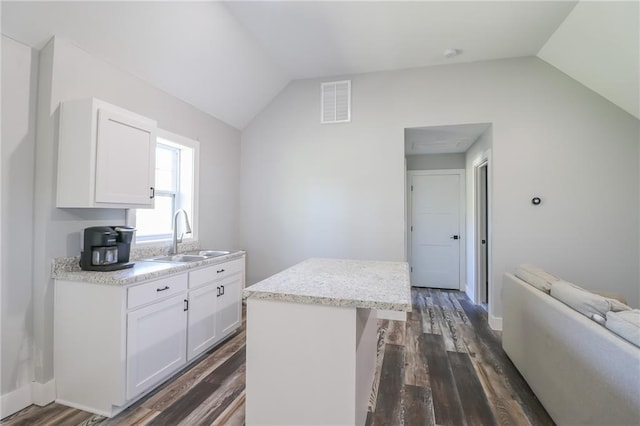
x=338, y=190
x=475, y=155
x=19, y=86
x=606, y=60
x=67, y=72
x=436, y=161
x=321, y=190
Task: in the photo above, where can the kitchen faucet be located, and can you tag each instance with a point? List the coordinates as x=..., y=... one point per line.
x=176, y=240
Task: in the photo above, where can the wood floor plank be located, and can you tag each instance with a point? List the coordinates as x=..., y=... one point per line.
x=369, y=420
x=425, y=317
x=455, y=302
x=33, y=414
x=446, y=403
x=389, y=404
x=396, y=333
x=446, y=305
x=450, y=320
x=415, y=314
x=133, y=416
x=383, y=325
x=415, y=372
x=474, y=402
x=191, y=401
x=441, y=318
x=233, y=415
x=72, y=418
x=497, y=392
x=433, y=316
x=93, y=420
x=170, y=392
x=212, y=408
x=418, y=406
x=491, y=347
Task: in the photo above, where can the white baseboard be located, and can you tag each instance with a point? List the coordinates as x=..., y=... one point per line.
x=15, y=401
x=392, y=315
x=495, y=323
x=43, y=393
x=33, y=393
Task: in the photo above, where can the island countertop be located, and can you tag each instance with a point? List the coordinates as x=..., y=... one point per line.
x=339, y=282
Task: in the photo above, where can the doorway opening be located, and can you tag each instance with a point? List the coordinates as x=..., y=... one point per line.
x=481, y=236
x=444, y=149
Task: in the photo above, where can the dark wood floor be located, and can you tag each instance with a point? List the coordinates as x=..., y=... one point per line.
x=443, y=366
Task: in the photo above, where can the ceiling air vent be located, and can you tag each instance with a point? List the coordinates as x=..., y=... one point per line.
x=336, y=102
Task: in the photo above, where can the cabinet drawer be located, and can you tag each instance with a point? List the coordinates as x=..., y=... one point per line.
x=156, y=290
x=215, y=272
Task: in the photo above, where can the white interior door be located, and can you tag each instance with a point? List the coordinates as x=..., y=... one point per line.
x=435, y=228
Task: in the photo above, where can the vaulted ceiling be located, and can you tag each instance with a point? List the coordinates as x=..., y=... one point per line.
x=230, y=59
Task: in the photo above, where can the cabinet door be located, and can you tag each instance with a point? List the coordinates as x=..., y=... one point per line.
x=203, y=330
x=230, y=304
x=125, y=160
x=156, y=343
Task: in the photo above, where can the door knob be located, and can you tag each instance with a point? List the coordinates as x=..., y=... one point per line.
x=455, y=237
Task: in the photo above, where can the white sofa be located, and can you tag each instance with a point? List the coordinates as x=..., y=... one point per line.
x=581, y=372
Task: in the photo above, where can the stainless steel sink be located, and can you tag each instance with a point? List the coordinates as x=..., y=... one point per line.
x=212, y=253
x=180, y=258
x=192, y=256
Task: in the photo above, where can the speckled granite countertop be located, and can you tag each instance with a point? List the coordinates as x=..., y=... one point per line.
x=141, y=271
x=339, y=282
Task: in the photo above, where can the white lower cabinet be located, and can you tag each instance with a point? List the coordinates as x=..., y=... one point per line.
x=229, y=311
x=203, y=324
x=113, y=344
x=156, y=343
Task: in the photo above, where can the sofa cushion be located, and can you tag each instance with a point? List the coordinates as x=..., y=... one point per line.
x=618, y=297
x=539, y=278
x=585, y=302
x=625, y=324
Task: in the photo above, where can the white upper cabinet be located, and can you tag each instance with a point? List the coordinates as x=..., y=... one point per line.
x=106, y=156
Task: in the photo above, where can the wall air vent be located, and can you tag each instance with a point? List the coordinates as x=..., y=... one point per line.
x=335, y=102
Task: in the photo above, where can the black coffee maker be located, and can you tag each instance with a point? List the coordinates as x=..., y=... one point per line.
x=106, y=248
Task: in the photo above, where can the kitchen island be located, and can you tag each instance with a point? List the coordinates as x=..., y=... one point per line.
x=311, y=339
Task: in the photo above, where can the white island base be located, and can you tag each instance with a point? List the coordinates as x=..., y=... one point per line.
x=309, y=364
x=312, y=337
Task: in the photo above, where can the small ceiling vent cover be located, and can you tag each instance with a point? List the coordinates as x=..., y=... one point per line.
x=336, y=102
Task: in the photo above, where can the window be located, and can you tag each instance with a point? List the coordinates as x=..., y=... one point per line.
x=175, y=188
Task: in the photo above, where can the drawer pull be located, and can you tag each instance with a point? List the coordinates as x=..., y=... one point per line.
x=166, y=287
x=220, y=271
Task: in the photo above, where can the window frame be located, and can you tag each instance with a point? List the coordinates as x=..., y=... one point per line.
x=180, y=142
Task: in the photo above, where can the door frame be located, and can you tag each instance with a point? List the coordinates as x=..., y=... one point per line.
x=462, y=271
x=483, y=159
x=477, y=237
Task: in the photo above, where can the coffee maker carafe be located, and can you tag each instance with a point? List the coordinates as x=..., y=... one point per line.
x=106, y=248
